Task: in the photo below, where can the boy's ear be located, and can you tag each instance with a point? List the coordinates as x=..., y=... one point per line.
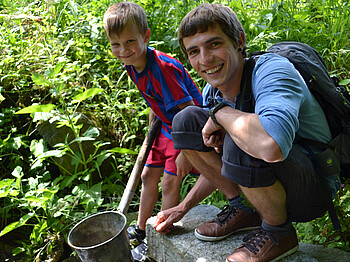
x=147, y=35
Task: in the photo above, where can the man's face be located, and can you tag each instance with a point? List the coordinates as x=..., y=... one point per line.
x=214, y=57
x=130, y=46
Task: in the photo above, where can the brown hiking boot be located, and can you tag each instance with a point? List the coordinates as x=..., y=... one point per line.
x=262, y=245
x=228, y=221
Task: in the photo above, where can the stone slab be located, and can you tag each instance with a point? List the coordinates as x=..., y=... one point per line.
x=182, y=246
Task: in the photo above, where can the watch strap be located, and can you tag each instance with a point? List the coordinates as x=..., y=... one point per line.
x=216, y=108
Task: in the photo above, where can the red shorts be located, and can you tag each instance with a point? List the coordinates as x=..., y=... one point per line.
x=163, y=155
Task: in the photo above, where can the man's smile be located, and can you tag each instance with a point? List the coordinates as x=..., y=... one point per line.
x=214, y=70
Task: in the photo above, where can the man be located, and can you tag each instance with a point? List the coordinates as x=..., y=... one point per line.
x=258, y=153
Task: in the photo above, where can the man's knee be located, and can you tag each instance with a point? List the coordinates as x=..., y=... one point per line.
x=187, y=129
x=190, y=119
x=243, y=169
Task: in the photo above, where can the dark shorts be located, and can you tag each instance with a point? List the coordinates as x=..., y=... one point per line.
x=307, y=196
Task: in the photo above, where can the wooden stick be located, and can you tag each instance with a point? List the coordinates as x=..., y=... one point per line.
x=139, y=164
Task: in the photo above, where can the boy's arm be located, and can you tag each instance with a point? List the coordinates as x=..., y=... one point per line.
x=188, y=103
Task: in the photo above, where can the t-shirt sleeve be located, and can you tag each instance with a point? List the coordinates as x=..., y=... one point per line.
x=278, y=92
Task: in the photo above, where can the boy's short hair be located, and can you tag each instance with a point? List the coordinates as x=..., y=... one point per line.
x=208, y=15
x=123, y=13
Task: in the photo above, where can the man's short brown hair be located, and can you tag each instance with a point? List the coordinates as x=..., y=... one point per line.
x=208, y=15
x=123, y=13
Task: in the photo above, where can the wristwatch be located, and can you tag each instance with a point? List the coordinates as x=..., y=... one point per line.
x=216, y=108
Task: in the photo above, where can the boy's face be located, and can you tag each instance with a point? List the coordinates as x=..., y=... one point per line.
x=130, y=47
x=214, y=57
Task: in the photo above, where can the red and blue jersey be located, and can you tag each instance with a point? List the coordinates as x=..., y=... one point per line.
x=165, y=84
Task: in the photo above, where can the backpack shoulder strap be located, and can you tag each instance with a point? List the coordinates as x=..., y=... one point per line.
x=247, y=97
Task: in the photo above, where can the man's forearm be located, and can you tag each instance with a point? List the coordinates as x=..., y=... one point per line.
x=248, y=133
x=200, y=191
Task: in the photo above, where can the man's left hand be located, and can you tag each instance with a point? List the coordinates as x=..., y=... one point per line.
x=213, y=135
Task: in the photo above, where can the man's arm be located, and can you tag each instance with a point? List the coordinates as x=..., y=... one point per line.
x=165, y=219
x=246, y=131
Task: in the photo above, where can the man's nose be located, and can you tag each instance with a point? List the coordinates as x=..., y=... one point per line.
x=206, y=57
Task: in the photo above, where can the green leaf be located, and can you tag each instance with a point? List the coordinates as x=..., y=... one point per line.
x=17, y=224
x=122, y=151
x=52, y=153
x=40, y=80
x=37, y=116
x=86, y=94
x=17, y=172
x=344, y=82
x=36, y=108
x=5, y=187
x=92, y=132
x=18, y=250
x=57, y=69
x=37, y=147
x=33, y=199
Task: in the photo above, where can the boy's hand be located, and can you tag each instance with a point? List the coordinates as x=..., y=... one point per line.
x=165, y=219
x=183, y=165
x=213, y=135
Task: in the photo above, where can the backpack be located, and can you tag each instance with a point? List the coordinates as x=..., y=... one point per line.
x=333, y=99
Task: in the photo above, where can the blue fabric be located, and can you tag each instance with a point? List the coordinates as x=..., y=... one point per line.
x=284, y=103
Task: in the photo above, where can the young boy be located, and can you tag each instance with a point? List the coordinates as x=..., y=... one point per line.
x=167, y=88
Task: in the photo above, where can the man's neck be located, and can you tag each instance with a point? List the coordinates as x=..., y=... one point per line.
x=230, y=92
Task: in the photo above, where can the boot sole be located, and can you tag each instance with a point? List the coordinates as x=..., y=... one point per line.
x=213, y=239
x=289, y=252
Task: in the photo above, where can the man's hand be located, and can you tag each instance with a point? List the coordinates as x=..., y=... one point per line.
x=213, y=135
x=183, y=166
x=166, y=218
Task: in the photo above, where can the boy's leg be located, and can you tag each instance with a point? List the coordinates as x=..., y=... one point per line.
x=170, y=190
x=149, y=193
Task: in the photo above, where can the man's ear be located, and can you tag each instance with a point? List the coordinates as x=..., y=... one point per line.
x=147, y=35
x=241, y=41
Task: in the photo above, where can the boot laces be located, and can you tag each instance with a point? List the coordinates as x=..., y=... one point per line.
x=255, y=240
x=226, y=213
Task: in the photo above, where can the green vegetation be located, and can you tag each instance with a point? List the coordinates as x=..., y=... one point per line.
x=55, y=63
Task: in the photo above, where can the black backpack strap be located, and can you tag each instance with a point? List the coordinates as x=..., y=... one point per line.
x=247, y=98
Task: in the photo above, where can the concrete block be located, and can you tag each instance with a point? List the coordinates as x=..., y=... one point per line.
x=181, y=245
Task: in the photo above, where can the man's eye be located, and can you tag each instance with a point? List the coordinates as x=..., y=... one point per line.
x=192, y=52
x=130, y=41
x=215, y=44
